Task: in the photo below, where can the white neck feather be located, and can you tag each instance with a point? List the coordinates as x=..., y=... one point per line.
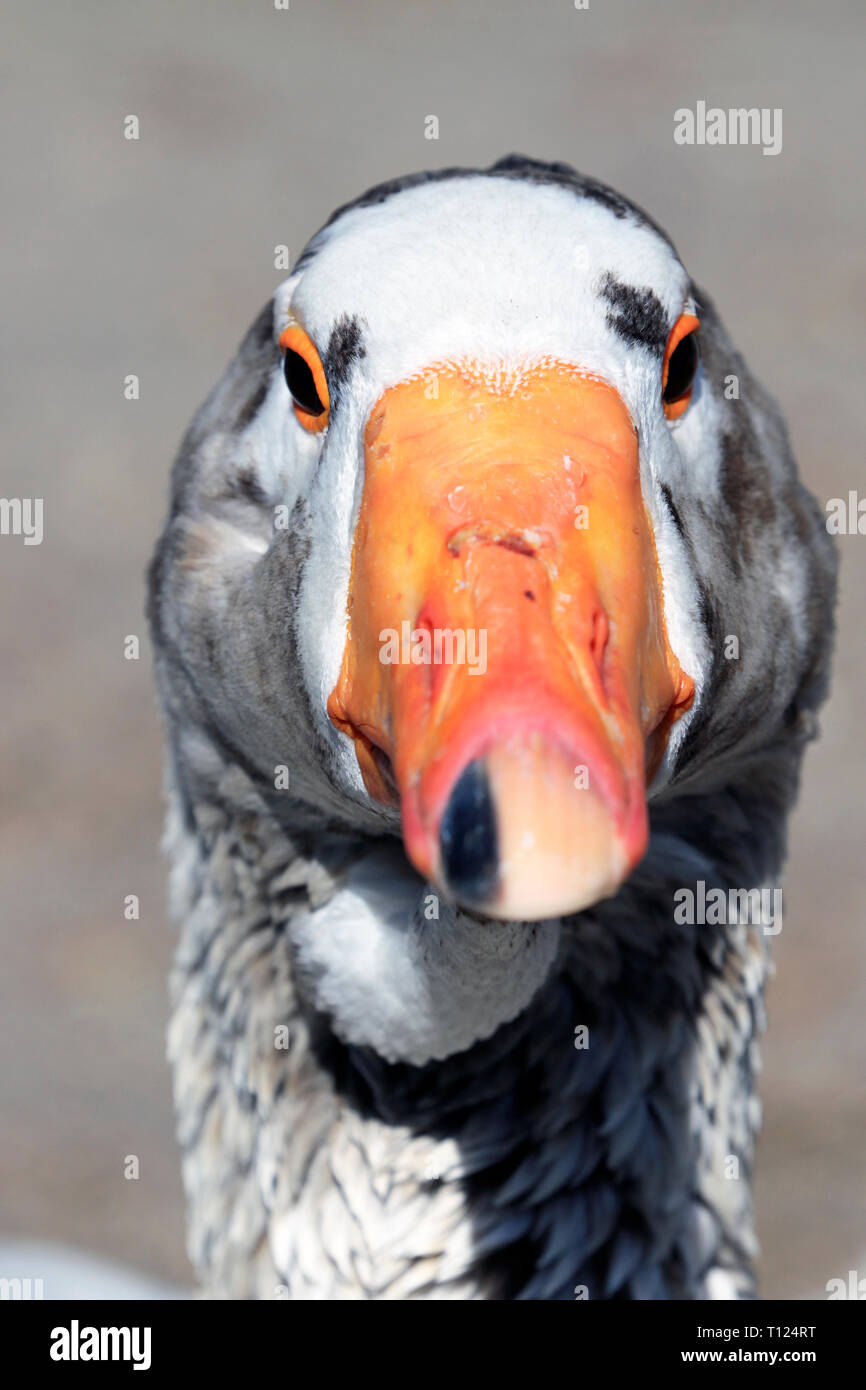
x=402, y=972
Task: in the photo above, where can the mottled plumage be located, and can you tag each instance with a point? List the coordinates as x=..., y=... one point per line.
x=431, y=1130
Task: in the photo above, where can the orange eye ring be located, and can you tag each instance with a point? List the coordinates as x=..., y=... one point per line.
x=305, y=379
x=678, y=373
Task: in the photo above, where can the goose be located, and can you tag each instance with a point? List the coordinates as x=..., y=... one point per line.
x=440, y=1028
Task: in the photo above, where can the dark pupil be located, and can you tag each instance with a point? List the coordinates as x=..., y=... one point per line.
x=299, y=380
x=681, y=368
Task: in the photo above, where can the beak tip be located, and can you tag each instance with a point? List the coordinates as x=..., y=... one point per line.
x=488, y=861
x=468, y=839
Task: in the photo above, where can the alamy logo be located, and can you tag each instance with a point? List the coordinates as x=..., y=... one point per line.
x=21, y=1290
x=76, y=1343
x=757, y=907
x=22, y=516
x=438, y=646
x=737, y=126
x=854, y=1288
x=846, y=518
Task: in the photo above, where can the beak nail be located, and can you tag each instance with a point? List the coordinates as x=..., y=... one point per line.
x=468, y=837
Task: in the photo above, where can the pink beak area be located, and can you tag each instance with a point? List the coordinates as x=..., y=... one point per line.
x=507, y=678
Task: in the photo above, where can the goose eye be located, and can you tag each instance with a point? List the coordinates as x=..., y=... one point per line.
x=305, y=378
x=680, y=366
x=681, y=369
x=302, y=387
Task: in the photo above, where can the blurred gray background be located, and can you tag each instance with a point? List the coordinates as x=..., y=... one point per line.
x=152, y=257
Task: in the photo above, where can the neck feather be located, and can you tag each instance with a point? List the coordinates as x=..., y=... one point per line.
x=595, y=1135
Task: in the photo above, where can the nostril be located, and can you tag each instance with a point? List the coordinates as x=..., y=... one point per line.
x=598, y=639
x=427, y=672
x=468, y=839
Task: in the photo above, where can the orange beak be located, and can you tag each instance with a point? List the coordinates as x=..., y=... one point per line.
x=507, y=679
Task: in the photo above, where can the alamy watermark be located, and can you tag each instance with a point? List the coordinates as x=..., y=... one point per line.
x=702, y=906
x=852, y=1288
x=713, y=125
x=21, y=1290
x=22, y=516
x=77, y=1343
x=846, y=516
x=438, y=646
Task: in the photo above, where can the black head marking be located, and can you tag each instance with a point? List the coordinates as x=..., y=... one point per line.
x=636, y=315
x=381, y=192
x=245, y=484
x=523, y=167
x=251, y=407
x=512, y=166
x=672, y=508
x=256, y=360
x=260, y=336
x=345, y=348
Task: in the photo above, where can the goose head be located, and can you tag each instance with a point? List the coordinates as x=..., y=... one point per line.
x=459, y=543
